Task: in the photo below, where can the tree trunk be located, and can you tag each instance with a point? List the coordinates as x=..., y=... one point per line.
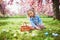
x=56, y=9
x=2, y=12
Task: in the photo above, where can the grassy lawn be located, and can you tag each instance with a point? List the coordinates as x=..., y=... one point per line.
x=10, y=30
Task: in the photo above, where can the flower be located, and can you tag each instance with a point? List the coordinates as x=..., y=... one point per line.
x=15, y=35
x=33, y=34
x=7, y=30
x=4, y=30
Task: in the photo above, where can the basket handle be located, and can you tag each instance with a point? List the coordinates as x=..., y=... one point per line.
x=25, y=24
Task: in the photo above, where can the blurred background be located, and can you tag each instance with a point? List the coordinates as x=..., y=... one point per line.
x=13, y=15
x=20, y=7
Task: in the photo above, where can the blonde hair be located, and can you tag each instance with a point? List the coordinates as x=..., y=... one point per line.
x=31, y=10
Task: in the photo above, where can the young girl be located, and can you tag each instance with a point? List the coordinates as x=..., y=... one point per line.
x=35, y=20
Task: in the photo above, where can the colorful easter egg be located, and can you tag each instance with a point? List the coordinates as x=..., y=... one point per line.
x=46, y=33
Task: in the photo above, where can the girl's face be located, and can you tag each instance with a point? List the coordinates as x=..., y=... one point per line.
x=31, y=14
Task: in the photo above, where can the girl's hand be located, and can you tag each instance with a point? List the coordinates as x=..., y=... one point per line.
x=37, y=28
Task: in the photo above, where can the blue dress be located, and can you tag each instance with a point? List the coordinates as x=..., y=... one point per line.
x=35, y=21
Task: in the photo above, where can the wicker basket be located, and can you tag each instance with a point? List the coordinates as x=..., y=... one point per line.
x=25, y=27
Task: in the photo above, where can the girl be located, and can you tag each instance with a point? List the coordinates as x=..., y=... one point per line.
x=35, y=20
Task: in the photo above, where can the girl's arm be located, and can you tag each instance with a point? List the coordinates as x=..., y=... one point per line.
x=39, y=20
x=31, y=21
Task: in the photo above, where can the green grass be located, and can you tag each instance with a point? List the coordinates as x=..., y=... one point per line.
x=24, y=16
x=12, y=27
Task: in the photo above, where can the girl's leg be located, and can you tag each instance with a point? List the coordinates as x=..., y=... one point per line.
x=33, y=27
x=41, y=26
x=37, y=28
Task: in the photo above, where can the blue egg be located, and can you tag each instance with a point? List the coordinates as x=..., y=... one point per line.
x=46, y=33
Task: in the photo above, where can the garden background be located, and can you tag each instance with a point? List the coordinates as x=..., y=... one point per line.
x=13, y=14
